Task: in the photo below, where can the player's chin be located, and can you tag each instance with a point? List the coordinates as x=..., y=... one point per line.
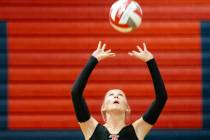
x=117, y=109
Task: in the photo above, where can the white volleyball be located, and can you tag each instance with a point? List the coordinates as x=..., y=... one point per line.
x=125, y=15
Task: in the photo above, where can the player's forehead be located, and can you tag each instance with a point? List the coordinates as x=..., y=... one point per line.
x=115, y=91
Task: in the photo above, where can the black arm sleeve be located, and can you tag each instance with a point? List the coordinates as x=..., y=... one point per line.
x=80, y=106
x=153, y=112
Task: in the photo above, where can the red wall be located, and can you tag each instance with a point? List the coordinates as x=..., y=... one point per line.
x=49, y=42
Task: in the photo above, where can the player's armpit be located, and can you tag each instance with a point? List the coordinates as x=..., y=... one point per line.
x=88, y=127
x=141, y=128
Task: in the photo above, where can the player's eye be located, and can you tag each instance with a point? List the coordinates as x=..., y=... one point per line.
x=111, y=94
x=120, y=94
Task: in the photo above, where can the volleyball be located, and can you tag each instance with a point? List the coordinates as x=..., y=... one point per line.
x=125, y=15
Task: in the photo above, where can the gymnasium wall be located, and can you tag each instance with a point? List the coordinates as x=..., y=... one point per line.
x=44, y=44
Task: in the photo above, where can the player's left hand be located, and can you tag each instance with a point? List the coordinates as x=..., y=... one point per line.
x=143, y=55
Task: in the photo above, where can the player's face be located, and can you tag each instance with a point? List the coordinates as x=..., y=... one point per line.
x=115, y=100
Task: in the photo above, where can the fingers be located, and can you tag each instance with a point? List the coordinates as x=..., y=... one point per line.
x=112, y=54
x=99, y=45
x=139, y=48
x=108, y=51
x=106, y=55
x=129, y=53
x=145, y=47
x=133, y=53
x=141, y=52
x=103, y=47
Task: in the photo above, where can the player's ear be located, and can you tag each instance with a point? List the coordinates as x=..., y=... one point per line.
x=103, y=111
x=128, y=114
x=128, y=109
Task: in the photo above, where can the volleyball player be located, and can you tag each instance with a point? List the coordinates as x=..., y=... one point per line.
x=115, y=108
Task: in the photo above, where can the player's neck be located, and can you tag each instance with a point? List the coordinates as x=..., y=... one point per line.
x=115, y=122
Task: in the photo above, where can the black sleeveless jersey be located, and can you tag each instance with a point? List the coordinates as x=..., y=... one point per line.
x=102, y=133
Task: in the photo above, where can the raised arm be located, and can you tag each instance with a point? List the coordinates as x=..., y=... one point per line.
x=145, y=123
x=80, y=106
x=86, y=121
x=153, y=112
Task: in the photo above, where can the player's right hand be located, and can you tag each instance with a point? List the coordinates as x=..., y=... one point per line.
x=100, y=53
